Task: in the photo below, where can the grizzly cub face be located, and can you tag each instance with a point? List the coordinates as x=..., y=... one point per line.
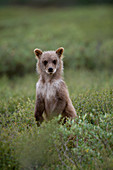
x=49, y=62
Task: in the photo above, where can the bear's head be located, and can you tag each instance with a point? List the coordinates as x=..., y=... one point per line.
x=49, y=62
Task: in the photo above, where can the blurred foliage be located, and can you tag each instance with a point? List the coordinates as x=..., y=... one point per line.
x=86, y=143
x=86, y=33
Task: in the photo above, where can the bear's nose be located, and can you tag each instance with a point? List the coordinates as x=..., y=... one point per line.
x=50, y=70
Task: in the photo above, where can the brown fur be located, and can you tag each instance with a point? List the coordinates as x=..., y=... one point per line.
x=52, y=97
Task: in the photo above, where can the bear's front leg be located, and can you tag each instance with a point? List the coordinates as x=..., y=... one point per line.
x=39, y=109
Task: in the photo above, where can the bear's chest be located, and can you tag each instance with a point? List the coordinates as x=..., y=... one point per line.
x=48, y=90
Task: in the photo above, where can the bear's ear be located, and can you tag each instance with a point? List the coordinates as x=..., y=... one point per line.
x=60, y=51
x=38, y=52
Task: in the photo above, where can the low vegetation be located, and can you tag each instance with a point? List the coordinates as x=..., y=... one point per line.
x=85, y=143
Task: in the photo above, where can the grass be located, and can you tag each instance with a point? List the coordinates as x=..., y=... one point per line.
x=87, y=36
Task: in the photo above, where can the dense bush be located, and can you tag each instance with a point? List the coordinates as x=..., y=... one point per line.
x=86, y=35
x=87, y=143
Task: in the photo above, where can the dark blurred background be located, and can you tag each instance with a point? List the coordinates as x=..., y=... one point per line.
x=60, y=3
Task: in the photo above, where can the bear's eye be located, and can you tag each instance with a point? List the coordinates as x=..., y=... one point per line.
x=54, y=61
x=45, y=62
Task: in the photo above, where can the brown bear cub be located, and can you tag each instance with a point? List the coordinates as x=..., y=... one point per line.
x=52, y=97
